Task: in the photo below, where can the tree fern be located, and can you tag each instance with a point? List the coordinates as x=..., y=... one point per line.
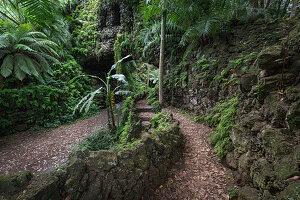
x=26, y=53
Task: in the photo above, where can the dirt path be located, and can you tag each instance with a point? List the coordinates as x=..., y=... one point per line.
x=44, y=151
x=198, y=176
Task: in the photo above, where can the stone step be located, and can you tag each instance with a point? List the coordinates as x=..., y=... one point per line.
x=143, y=133
x=144, y=109
x=146, y=116
x=146, y=124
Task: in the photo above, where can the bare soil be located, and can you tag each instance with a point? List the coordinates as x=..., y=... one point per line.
x=44, y=151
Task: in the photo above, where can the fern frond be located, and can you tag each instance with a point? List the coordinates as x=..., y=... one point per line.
x=7, y=66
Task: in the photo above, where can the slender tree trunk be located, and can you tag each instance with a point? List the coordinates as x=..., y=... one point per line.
x=286, y=5
x=293, y=9
x=148, y=78
x=267, y=3
x=1, y=80
x=162, y=56
x=255, y=3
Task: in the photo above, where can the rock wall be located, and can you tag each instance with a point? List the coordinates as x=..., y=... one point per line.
x=266, y=136
x=104, y=20
x=128, y=173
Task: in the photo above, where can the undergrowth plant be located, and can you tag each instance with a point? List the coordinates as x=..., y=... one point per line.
x=223, y=117
x=153, y=98
x=86, y=101
x=101, y=140
x=160, y=122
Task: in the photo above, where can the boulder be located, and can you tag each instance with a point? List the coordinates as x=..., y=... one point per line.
x=247, y=81
x=42, y=187
x=285, y=167
x=270, y=57
x=276, y=143
x=275, y=110
x=291, y=192
x=12, y=184
x=248, y=193
x=231, y=161
x=261, y=173
x=293, y=116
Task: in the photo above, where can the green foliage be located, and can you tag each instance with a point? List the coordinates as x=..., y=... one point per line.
x=232, y=193
x=153, y=98
x=222, y=116
x=45, y=16
x=129, y=124
x=108, y=91
x=220, y=77
x=26, y=53
x=86, y=33
x=154, y=76
x=160, y=122
x=43, y=105
x=242, y=61
x=101, y=140
x=127, y=107
x=122, y=47
x=183, y=77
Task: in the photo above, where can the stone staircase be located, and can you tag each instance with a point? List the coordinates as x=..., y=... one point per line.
x=145, y=114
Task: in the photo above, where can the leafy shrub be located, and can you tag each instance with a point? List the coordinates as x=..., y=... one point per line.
x=153, y=99
x=129, y=125
x=223, y=117
x=102, y=140
x=43, y=105
x=160, y=122
x=232, y=193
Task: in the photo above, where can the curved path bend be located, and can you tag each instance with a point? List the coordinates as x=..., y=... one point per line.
x=198, y=176
x=44, y=151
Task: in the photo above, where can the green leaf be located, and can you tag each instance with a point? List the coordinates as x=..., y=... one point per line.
x=7, y=66
x=19, y=74
x=116, y=64
x=23, y=47
x=21, y=64
x=31, y=66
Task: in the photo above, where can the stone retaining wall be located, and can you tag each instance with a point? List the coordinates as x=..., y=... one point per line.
x=128, y=173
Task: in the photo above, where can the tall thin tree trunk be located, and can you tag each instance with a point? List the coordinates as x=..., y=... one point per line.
x=162, y=56
x=279, y=14
x=293, y=9
x=1, y=81
x=267, y=3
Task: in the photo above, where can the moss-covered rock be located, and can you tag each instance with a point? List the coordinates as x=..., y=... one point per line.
x=76, y=170
x=248, y=193
x=247, y=81
x=293, y=93
x=42, y=187
x=12, y=184
x=285, y=167
x=270, y=57
x=292, y=192
x=293, y=116
x=276, y=143
x=271, y=83
x=261, y=173
x=275, y=109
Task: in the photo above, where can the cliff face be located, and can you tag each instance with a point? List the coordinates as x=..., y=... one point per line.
x=262, y=145
x=96, y=28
